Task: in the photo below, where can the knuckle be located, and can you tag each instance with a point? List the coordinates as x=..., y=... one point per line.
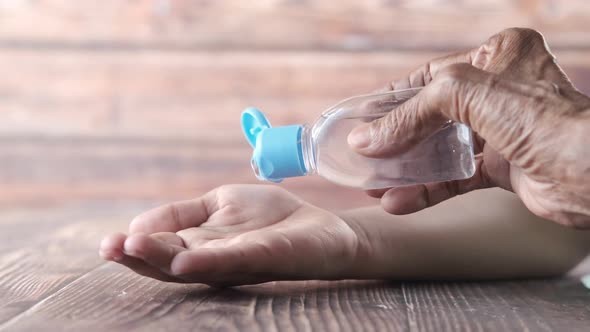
x=452, y=188
x=522, y=36
x=546, y=87
x=420, y=76
x=448, y=82
x=391, y=128
x=404, y=126
x=510, y=46
x=380, y=128
x=394, y=119
x=389, y=87
x=540, y=96
x=454, y=94
x=427, y=73
x=454, y=72
x=172, y=209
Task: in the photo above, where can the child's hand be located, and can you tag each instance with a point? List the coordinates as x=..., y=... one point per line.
x=238, y=234
x=245, y=234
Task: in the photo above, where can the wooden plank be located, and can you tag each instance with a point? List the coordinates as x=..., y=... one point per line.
x=48, y=254
x=191, y=95
x=280, y=24
x=164, y=125
x=162, y=129
x=51, y=170
x=32, y=224
x=113, y=298
x=551, y=305
x=177, y=94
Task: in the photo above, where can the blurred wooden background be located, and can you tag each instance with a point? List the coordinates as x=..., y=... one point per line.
x=109, y=100
x=110, y=107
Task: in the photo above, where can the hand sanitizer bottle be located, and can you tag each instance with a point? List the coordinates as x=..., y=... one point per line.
x=322, y=148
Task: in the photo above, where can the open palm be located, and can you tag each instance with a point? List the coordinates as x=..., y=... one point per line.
x=238, y=234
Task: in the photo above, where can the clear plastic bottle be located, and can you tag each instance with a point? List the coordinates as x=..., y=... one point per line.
x=322, y=148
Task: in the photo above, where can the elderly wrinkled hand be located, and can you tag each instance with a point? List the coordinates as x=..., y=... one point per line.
x=530, y=123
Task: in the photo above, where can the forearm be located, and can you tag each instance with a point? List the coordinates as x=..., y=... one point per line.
x=485, y=234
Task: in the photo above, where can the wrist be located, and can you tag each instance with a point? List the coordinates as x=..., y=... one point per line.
x=364, y=256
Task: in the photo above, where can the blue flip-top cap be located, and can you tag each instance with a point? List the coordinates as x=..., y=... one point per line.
x=277, y=151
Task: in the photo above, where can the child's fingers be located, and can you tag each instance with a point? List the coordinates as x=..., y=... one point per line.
x=144, y=269
x=254, y=262
x=175, y=216
x=111, y=247
x=170, y=238
x=377, y=193
x=196, y=237
x=155, y=252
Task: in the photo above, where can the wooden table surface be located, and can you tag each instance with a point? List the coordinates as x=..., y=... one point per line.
x=51, y=279
x=112, y=107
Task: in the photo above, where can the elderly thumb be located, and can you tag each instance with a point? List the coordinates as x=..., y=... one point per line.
x=492, y=107
x=402, y=128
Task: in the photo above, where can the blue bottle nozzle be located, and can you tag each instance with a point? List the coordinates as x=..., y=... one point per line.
x=277, y=151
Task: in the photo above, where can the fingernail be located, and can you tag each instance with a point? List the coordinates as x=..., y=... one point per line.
x=128, y=249
x=111, y=256
x=360, y=137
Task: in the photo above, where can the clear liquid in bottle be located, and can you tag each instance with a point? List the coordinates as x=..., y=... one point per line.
x=447, y=154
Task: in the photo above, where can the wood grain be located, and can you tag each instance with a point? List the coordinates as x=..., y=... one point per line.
x=284, y=24
x=193, y=95
x=111, y=298
x=164, y=125
x=112, y=107
x=45, y=249
x=53, y=170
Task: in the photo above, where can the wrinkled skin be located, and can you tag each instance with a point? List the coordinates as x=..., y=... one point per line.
x=531, y=127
